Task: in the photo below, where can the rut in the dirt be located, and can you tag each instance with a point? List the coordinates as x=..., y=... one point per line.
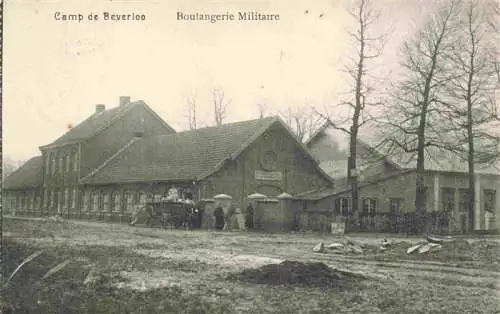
x=300, y=274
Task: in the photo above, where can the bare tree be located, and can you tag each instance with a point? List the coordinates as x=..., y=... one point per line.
x=493, y=22
x=471, y=92
x=413, y=121
x=369, y=47
x=302, y=121
x=191, y=106
x=220, y=104
x=262, y=110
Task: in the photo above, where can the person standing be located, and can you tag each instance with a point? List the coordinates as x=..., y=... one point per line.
x=219, y=217
x=173, y=194
x=249, y=217
x=487, y=218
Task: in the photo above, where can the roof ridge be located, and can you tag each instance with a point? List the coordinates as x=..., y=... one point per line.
x=119, y=114
x=107, y=161
x=245, y=145
x=227, y=124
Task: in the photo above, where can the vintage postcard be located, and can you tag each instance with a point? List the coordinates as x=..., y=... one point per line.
x=237, y=156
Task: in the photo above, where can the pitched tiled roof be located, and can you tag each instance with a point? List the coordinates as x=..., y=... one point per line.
x=342, y=187
x=96, y=123
x=27, y=176
x=185, y=155
x=437, y=159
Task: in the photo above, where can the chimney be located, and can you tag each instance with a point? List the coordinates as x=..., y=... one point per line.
x=124, y=100
x=100, y=108
x=138, y=134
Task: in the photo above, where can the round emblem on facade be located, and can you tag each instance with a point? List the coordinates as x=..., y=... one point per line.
x=269, y=161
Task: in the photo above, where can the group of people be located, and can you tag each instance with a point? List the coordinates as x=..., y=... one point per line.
x=223, y=218
x=173, y=196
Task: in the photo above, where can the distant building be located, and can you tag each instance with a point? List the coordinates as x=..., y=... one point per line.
x=122, y=156
x=387, y=185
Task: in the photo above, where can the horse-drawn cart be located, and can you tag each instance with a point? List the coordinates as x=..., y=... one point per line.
x=174, y=214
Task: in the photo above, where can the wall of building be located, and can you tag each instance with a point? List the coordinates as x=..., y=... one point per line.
x=293, y=171
x=101, y=147
x=330, y=148
x=96, y=202
x=22, y=202
x=403, y=187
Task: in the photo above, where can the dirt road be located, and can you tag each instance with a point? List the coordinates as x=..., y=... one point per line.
x=199, y=260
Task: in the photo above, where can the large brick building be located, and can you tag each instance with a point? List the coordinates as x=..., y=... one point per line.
x=387, y=185
x=118, y=157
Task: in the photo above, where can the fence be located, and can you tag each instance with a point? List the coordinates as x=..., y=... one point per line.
x=406, y=223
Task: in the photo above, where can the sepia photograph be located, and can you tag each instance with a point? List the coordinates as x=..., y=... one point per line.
x=237, y=156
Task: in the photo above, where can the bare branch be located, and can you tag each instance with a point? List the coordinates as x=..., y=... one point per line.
x=220, y=104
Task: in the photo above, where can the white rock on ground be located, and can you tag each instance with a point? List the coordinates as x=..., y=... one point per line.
x=319, y=248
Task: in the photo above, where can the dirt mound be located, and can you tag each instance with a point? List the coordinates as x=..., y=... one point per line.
x=298, y=273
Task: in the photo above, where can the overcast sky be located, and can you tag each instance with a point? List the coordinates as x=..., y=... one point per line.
x=55, y=71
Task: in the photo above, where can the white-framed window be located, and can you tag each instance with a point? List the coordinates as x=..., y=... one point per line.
x=53, y=162
x=74, y=154
x=463, y=200
x=95, y=201
x=61, y=163
x=447, y=199
x=490, y=200
x=66, y=198
x=395, y=205
x=33, y=201
x=52, y=199
x=141, y=199
x=369, y=206
x=129, y=201
x=86, y=201
x=67, y=158
x=47, y=164
x=106, y=198
x=115, y=201
x=45, y=198
x=343, y=205
x=73, y=198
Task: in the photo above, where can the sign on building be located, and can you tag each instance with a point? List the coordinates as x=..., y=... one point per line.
x=268, y=176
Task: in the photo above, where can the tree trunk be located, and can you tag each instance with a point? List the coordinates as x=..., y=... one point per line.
x=472, y=196
x=420, y=199
x=353, y=178
x=470, y=140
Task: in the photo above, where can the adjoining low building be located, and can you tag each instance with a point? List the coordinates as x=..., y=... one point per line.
x=22, y=188
x=387, y=188
x=129, y=158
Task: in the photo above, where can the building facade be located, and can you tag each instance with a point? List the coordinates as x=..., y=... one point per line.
x=124, y=156
x=54, y=176
x=387, y=189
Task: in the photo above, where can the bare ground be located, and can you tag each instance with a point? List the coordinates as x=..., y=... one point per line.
x=177, y=271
